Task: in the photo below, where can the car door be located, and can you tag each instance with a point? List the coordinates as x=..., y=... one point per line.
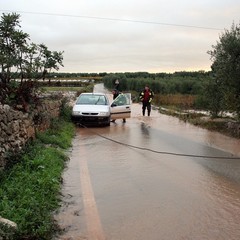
x=121, y=106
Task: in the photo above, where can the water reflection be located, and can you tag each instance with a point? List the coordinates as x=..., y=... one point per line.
x=144, y=130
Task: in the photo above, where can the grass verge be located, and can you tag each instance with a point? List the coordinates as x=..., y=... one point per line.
x=31, y=184
x=61, y=89
x=87, y=88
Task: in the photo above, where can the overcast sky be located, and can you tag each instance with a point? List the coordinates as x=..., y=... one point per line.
x=127, y=35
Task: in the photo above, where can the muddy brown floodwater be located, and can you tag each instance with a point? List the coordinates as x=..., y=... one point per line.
x=113, y=189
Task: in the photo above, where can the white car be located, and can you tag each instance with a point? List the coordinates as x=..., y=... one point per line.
x=96, y=109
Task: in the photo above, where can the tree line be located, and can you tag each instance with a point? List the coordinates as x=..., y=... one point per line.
x=163, y=83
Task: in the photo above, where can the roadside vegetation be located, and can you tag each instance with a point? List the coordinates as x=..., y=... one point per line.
x=31, y=182
x=62, y=89
x=84, y=88
x=22, y=63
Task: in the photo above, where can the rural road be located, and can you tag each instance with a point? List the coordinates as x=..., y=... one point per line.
x=153, y=178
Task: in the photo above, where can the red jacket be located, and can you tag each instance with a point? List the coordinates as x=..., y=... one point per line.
x=146, y=96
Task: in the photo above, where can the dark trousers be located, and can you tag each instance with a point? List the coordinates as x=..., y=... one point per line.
x=146, y=105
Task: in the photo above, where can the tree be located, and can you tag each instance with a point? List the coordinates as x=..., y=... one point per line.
x=49, y=60
x=13, y=44
x=226, y=66
x=19, y=58
x=213, y=91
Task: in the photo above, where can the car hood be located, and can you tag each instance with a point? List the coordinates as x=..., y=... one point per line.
x=91, y=108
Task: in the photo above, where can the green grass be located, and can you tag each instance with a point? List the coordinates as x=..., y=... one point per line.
x=71, y=89
x=30, y=188
x=54, y=137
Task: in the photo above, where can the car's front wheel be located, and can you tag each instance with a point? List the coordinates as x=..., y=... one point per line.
x=108, y=122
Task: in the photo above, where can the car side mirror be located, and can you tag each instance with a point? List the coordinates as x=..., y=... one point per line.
x=113, y=105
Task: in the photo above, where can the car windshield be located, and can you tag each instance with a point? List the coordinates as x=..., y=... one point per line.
x=88, y=99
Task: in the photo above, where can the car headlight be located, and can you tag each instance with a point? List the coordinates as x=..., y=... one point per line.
x=76, y=113
x=103, y=114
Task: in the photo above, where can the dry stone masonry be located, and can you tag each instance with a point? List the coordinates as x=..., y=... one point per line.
x=17, y=127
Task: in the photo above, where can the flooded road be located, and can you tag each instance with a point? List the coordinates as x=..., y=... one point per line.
x=124, y=182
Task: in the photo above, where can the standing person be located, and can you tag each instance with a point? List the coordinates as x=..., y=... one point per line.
x=115, y=93
x=146, y=97
x=116, y=90
x=117, y=84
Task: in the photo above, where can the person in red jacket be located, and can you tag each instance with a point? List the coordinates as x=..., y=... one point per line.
x=146, y=97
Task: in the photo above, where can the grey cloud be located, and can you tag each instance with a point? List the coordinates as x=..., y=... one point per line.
x=97, y=45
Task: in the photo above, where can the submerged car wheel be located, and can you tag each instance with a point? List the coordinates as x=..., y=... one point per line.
x=108, y=123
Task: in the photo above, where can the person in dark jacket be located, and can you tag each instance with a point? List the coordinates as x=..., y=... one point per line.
x=146, y=97
x=115, y=93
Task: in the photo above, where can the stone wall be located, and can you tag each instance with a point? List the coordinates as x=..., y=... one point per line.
x=17, y=127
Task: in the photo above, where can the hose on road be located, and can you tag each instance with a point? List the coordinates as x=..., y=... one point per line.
x=159, y=152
